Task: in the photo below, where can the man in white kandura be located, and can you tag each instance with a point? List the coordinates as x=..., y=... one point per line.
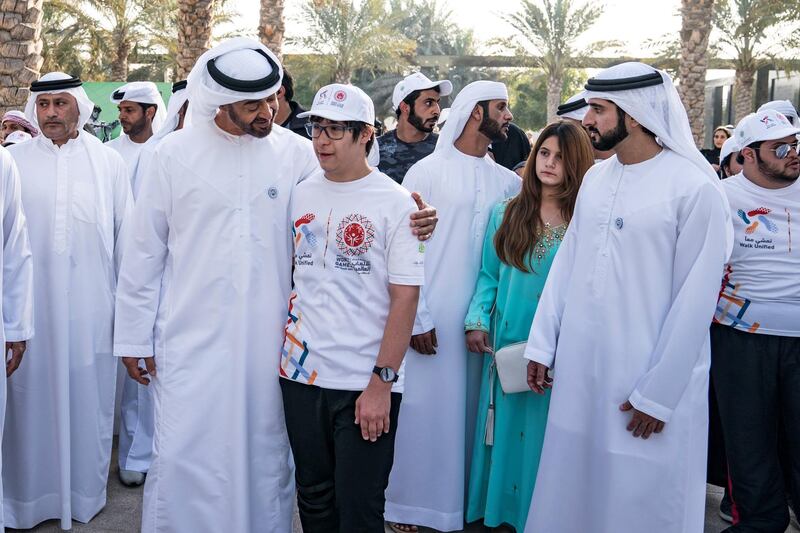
x=623, y=321
x=426, y=486
x=60, y=414
x=16, y=279
x=203, y=293
x=141, y=113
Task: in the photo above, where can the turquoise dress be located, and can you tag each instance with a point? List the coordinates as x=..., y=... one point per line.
x=503, y=475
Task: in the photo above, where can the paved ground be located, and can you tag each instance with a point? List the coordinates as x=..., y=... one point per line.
x=123, y=513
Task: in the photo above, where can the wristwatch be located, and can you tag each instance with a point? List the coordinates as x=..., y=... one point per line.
x=386, y=373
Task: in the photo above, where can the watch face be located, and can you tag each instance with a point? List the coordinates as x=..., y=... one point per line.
x=387, y=374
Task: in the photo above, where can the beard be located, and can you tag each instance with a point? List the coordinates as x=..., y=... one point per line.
x=492, y=129
x=134, y=128
x=258, y=128
x=418, y=123
x=607, y=141
x=773, y=173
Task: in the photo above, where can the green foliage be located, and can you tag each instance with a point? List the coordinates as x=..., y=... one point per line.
x=755, y=30
x=350, y=35
x=528, y=95
x=87, y=37
x=550, y=29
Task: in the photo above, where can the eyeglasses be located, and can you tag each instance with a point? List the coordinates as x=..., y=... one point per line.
x=782, y=151
x=333, y=131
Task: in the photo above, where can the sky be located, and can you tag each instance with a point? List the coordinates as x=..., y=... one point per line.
x=629, y=21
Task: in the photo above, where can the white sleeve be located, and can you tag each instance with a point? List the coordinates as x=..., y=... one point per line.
x=546, y=325
x=123, y=207
x=307, y=162
x=700, y=256
x=423, y=321
x=139, y=286
x=405, y=258
x=17, y=259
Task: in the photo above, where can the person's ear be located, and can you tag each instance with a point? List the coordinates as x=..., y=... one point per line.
x=631, y=123
x=281, y=92
x=151, y=113
x=405, y=108
x=749, y=154
x=477, y=113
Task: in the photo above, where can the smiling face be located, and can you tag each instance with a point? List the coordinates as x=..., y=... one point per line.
x=253, y=117
x=549, y=166
x=58, y=115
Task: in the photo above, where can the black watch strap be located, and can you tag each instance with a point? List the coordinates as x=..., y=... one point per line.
x=378, y=369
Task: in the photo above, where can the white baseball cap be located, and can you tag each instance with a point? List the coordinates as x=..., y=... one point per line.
x=766, y=125
x=16, y=137
x=342, y=102
x=730, y=146
x=418, y=82
x=782, y=106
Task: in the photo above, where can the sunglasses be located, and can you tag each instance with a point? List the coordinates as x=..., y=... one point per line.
x=782, y=150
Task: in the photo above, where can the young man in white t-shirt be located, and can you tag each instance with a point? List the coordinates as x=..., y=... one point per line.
x=357, y=273
x=755, y=338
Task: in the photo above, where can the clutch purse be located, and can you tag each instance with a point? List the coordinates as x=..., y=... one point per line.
x=512, y=368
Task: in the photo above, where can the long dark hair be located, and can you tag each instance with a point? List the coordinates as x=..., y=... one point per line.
x=522, y=225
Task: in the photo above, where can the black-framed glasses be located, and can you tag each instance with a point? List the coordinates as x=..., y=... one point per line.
x=333, y=131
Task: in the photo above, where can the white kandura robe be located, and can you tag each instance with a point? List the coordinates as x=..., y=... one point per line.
x=129, y=151
x=135, y=446
x=205, y=285
x=625, y=314
x=437, y=417
x=59, y=418
x=16, y=274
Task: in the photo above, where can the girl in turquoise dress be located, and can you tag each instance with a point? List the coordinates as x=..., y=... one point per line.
x=521, y=240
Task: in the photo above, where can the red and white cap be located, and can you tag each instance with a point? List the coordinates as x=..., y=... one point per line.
x=767, y=125
x=418, y=82
x=342, y=102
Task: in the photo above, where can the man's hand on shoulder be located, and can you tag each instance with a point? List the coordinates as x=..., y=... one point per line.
x=423, y=221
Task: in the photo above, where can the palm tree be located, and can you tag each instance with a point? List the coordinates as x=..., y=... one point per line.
x=272, y=25
x=350, y=35
x=752, y=30
x=194, y=32
x=551, y=29
x=695, y=29
x=20, y=55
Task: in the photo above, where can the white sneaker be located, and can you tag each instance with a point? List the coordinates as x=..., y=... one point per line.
x=131, y=478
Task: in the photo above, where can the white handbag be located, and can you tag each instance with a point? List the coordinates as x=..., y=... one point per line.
x=512, y=368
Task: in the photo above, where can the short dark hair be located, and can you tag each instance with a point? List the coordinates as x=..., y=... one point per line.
x=411, y=98
x=145, y=107
x=288, y=85
x=358, y=128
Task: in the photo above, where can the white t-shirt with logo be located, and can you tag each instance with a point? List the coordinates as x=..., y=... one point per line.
x=351, y=240
x=761, y=285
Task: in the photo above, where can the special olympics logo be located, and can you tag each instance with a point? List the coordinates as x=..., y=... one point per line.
x=355, y=235
x=340, y=96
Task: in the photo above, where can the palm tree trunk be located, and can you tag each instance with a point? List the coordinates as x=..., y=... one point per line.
x=743, y=93
x=272, y=25
x=119, y=67
x=695, y=29
x=194, y=32
x=554, y=84
x=20, y=50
